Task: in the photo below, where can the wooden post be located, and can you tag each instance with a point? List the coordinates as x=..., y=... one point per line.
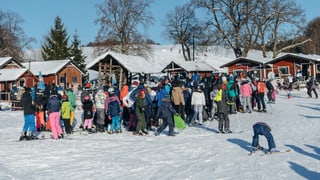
x=99, y=73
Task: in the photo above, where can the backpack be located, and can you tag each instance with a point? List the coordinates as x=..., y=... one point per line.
x=254, y=88
x=114, y=108
x=127, y=101
x=261, y=87
x=269, y=85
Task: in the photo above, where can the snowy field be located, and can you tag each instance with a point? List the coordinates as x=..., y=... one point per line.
x=195, y=153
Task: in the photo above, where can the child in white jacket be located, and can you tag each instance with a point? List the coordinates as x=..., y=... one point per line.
x=198, y=101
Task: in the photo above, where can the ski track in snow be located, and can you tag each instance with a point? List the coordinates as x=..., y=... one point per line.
x=194, y=153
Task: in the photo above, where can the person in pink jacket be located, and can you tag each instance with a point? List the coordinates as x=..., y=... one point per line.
x=246, y=92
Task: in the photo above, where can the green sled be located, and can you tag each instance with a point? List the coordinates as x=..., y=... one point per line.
x=179, y=122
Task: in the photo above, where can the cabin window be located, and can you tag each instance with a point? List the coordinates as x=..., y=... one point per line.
x=237, y=72
x=283, y=70
x=74, y=79
x=62, y=80
x=318, y=67
x=21, y=83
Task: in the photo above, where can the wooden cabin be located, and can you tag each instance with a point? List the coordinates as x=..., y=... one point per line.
x=122, y=67
x=188, y=68
x=307, y=65
x=17, y=78
x=244, y=66
x=58, y=72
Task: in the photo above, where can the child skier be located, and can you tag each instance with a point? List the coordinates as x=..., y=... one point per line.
x=223, y=110
x=100, y=103
x=66, y=114
x=139, y=110
x=198, y=101
x=28, y=111
x=114, y=113
x=213, y=94
x=53, y=109
x=39, y=111
x=166, y=113
x=87, y=113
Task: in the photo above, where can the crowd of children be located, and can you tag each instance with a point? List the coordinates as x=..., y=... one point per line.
x=139, y=107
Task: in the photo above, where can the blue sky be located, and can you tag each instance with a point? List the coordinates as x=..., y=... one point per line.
x=79, y=15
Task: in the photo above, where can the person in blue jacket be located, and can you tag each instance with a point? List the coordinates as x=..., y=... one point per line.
x=166, y=113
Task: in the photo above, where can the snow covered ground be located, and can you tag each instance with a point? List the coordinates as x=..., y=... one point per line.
x=195, y=153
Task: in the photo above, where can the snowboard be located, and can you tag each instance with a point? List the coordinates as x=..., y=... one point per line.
x=27, y=138
x=233, y=132
x=265, y=152
x=273, y=153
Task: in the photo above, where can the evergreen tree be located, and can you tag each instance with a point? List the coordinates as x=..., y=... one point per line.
x=56, y=43
x=76, y=56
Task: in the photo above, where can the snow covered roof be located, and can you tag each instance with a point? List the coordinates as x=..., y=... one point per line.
x=191, y=66
x=3, y=60
x=6, y=60
x=11, y=74
x=301, y=57
x=134, y=64
x=46, y=67
x=251, y=61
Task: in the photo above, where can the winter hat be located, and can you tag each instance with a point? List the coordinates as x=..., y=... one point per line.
x=231, y=78
x=141, y=92
x=111, y=90
x=224, y=78
x=86, y=97
x=64, y=97
x=135, y=84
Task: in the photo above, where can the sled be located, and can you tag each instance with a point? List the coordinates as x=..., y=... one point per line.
x=179, y=122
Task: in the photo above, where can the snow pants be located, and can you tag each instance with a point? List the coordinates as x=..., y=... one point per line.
x=100, y=112
x=40, y=119
x=247, y=102
x=224, y=122
x=55, y=126
x=72, y=118
x=87, y=123
x=115, y=125
x=198, y=114
x=167, y=121
x=29, y=123
x=260, y=101
x=259, y=129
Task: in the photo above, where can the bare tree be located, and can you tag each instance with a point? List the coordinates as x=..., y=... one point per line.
x=312, y=32
x=119, y=21
x=184, y=28
x=246, y=24
x=285, y=13
x=12, y=36
x=232, y=20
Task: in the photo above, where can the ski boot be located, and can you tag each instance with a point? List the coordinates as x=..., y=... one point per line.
x=23, y=136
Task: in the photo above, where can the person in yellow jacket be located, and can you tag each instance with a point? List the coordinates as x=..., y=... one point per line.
x=72, y=99
x=223, y=110
x=66, y=114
